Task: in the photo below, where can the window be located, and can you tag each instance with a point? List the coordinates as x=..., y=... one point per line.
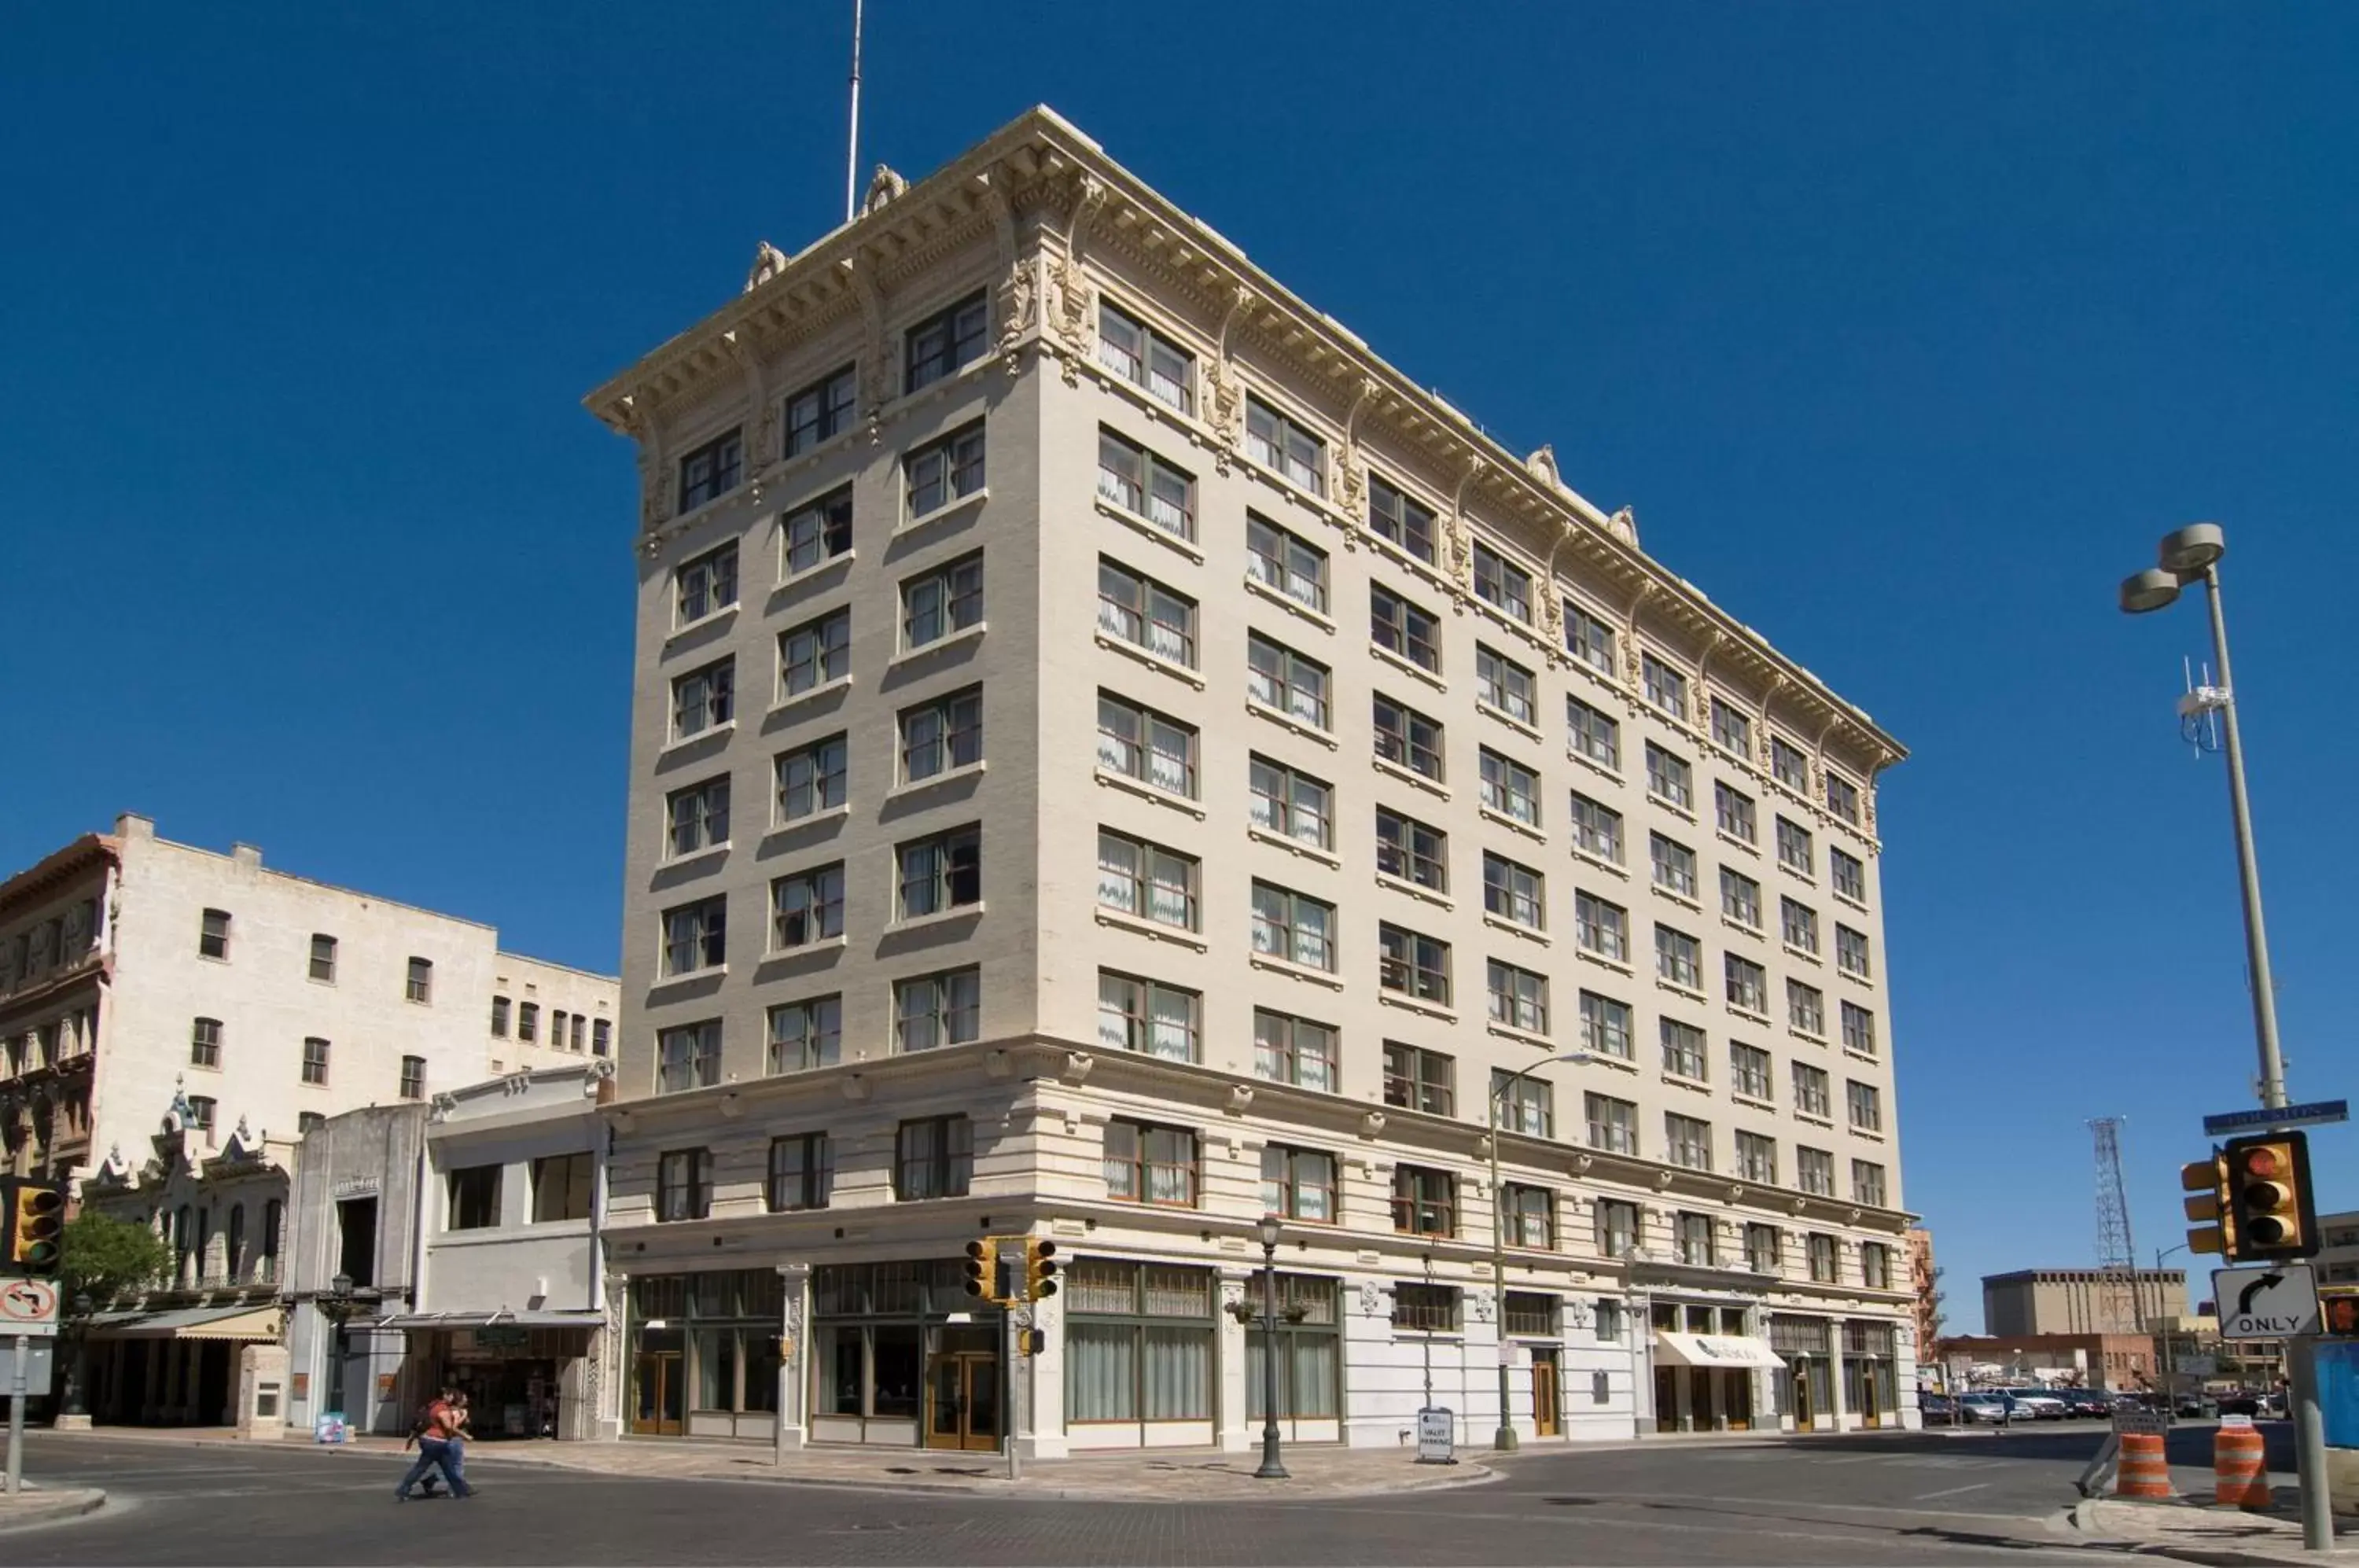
x=1509, y=787
x=204, y=1044
x=1732, y=810
x=309, y=1122
x=1612, y=1124
x=820, y=532
x=814, y=653
x=938, y=1009
x=1290, y=804
x=811, y=779
x=945, y=600
x=1503, y=684
x=1806, y=1009
x=1666, y=688
x=1146, y=485
x=413, y=1078
x=578, y=1022
x=1849, y=874
x=1669, y=779
x=1286, y=562
x=1528, y=1217
x=1147, y=881
x=1789, y=765
x=474, y=1197
x=1866, y=1102
x=1596, y=827
x=1145, y=357
x=710, y=470
x=1425, y=1201
x=1606, y=1026
x=805, y=1035
x=419, y=984
x=1740, y=898
x=1396, y=517
x=1427, y=1309
x=1749, y=1071
x=1843, y=797
x=1811, y=1094
x=683, y=1184
x=1731, y=729
x=945, y=341
x=1288, y=1050
x=705, y=586
x=802, y=1173
x=1520, y=998
x=1513, y=891
x=529, y=1022
x=1617, y=1227
x=1149, y=1164
x=1144, y=613
x=1298, y=1183
x=1592, y=735
x=602, y=1037
x=1694, y=1239
x=941, y=872
x=1501, y=585
x=1756, y=1157
x=1800, y=924
x=212, y=936
x=688, y=1056
x=1874, y=1265
x=1283, y=446
x=1523, y=1104
x=1867, y=1183
x=1407, y=739
x=1683, y=1054
x=1761, y=1248
x=1794, y=851
x=1588, y=638
x=1823, y=1269
x=500, y=1007
x=703, y=698
x=1674, y=867
x=698, y=816
x=562, y=1187
x=696, y=936
x=1679, y=959
x=943, y=471
x=1409, y=849
x=807, y=908
x=323, y=958
x=1401, y=628
x=1602, y=928
x=820, y=410
x=1148, y=1017
x=1293, y=926
x=203, y=1109
x=1814, y=1169
x=933, y=1159
x=1413, y=964
x=1851, y=951
x=1153, y=749
x=1419, y=1080
x=315, y=1060
x=1747, y=982
x=1858, y=1030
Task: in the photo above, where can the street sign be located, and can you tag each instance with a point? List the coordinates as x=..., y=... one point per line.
x=2137, y=1418
x=2266, y=1302
x=28, y=1307
x=1437, y=1436
x=2318, y=1113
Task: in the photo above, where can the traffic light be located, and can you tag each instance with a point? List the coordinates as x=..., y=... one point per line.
x=37, y=1223
x=2269, y=1202
x=2208, y=1178
x=1039, y=1269
x=1031, y=1342
x=981, y=1260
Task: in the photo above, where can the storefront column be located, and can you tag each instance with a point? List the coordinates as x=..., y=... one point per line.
x=1836, y=1394
x=794, y=1366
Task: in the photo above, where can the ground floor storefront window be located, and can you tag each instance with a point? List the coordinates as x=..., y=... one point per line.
x=1310, y=1358
x=1870, y=1386
x=704, y=1354
x=1805, y=1345
x=886, y=1365
x=1700, y=1397
x=1139, y=1353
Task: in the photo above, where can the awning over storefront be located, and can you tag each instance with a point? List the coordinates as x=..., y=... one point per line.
x=492, y=1320
x=247, y=1322
x=1715, y=1349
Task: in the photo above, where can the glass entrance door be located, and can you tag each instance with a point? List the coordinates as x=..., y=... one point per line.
x=1736, y=1398
x=1666, y=1399
x=1805, y=1409
x=1544, y=1393
x=658, y=1387
x=962, y=1402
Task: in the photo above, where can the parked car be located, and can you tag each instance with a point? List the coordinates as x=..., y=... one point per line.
x=2194, y=1407
x=1982, y=1410
x=2034, y=1404
x=1937, y=1410
x=2240, y=1404
x=2088, y=1403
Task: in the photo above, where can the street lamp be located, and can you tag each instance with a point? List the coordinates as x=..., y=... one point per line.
x=337, y=1305
x=2168, y=1363
x=75, y=1374
x=1271, y=1468
x=1505, y=1440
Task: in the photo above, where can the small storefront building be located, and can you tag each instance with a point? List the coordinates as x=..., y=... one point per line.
x=1707, y=1362
x=1871, y=1378
x=704, y=1355
x=524, y=1373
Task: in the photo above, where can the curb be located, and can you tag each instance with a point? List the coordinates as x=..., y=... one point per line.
x=69, y=1505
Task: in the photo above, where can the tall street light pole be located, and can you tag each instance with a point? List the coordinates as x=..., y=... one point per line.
x=1272, y=1467
x=1505, y=1440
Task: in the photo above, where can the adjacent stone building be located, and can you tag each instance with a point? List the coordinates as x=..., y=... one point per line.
x=2033, y=1302
x=1112, y=757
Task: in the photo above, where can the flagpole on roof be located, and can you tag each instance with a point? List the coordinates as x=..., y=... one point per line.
x=852, y=150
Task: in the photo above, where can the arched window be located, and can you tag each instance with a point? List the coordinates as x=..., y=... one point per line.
x=237, y=1243
x=184, y=1234
x=204, y=1242
x=271, y=1215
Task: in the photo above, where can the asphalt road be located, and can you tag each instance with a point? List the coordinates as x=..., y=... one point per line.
x=1920, y=1499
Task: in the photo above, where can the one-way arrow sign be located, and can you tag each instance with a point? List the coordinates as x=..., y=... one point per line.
x=2265, y=1302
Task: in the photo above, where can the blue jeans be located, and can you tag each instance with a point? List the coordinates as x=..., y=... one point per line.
x=434, y=1454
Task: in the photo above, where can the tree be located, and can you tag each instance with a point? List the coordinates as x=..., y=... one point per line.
x=107, y=1258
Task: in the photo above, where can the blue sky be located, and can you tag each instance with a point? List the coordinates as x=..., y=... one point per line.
x=1906, y=328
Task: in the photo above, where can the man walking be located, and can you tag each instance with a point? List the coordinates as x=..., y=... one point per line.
x=439, y=1427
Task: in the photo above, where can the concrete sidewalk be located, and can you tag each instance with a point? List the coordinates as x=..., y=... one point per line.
x=2194, y=1530
x=47, y=1505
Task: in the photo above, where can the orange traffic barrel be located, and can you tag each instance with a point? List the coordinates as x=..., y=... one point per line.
x=2145, y=1473
x=2240, y=1472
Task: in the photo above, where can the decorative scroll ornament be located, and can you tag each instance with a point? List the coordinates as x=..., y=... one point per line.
x=884, y=187
x=768, y=262
x=1023, y=301
x=1623, y=524
x=1372, y=1299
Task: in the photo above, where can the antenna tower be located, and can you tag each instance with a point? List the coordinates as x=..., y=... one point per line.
x=2117, y=1307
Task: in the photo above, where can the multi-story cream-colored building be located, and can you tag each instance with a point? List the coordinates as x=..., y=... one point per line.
x=1112, y=757
x=2032, y=1302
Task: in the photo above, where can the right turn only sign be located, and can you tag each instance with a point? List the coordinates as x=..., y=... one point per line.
x=2265, y=1302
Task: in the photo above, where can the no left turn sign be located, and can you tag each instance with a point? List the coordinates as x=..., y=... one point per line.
x=25, y=1303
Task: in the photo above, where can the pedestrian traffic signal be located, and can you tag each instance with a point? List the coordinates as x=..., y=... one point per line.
x=2208, y=1178
x=1031, y=1342
x=1039, y=1269
x=2270, y=1201
x=981, y=1263
x=37, y=1223
x=2340, y=1314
